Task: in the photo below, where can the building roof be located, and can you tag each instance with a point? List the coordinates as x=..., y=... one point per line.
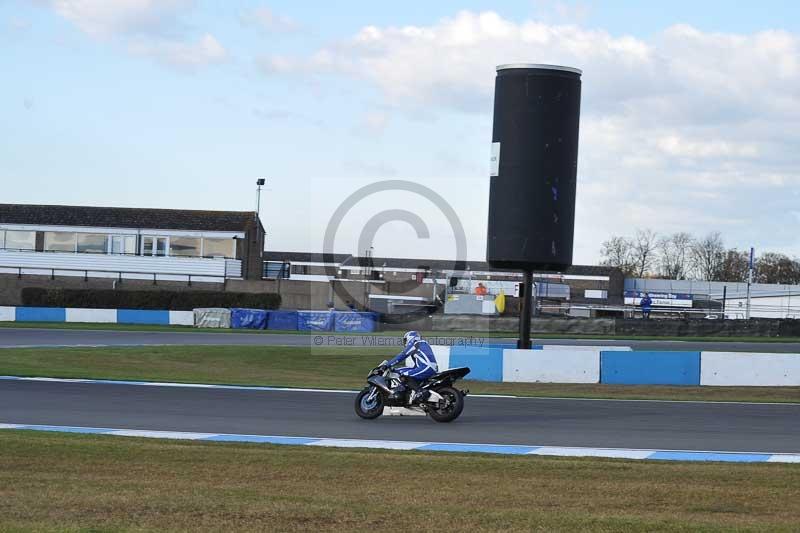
x=423, y=264
x=126, y=217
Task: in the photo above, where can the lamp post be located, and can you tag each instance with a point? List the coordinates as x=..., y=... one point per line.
x=259, y=183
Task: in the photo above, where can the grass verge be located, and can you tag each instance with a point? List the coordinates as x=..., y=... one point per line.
x=58, y=481
x=398, y=333
x=323, y=367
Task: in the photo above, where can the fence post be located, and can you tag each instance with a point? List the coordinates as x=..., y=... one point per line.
x=154, y=279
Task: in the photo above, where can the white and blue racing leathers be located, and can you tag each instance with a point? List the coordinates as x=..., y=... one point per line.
x=423, y=362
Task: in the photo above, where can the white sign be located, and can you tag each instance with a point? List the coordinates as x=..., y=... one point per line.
x=494, y=162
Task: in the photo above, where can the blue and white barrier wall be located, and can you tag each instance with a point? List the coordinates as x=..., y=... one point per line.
x=622, y=366
x=339, y=321
x=96, y=316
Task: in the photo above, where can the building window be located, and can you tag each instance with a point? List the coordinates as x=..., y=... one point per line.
x=184, y=246
x=123, y=244
x=154, y=245
x=276, y=269
x=2, y=239
x=20, y=240
x=219, y=248
x=92, y=243
x=58, y=241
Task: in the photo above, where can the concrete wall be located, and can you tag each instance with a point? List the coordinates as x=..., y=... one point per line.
x=551, y=366
x=11, y=286
x=623, y=327
x=650, y=368
x=750, y=369
x=596, y=326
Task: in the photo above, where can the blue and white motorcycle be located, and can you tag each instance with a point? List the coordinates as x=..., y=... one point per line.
x=442, y=401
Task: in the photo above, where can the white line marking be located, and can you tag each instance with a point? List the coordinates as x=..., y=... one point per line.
x=569, y=451
x=159, y=434
x=784, y=458
x=592, y=452
x=356, y=443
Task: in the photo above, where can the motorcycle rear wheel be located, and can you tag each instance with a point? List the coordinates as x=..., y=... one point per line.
x=366, y=408
x=450, y=408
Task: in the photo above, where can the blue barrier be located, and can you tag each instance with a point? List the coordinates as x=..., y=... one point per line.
x=282, y=320
x=314, y=320
x=142, y=316
x=486, y=364
x=355, y=322
x=650, y=368
x=509, y=345
x=248, y=318
x=40, y=314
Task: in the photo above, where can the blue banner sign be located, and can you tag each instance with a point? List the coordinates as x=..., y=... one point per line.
x=660, y=299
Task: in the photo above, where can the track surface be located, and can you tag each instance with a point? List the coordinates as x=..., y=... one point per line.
x=11, y=337
x=549, y=422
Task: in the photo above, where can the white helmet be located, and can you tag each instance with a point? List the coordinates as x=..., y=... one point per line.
x=411, y=336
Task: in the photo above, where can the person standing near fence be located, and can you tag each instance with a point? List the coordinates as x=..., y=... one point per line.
x=646, y=304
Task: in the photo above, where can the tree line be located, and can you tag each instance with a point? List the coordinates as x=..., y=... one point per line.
x=683, y=256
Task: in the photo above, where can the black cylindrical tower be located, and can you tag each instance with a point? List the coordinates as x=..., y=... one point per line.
x=534, y=167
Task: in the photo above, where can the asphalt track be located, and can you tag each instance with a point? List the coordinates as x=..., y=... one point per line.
x=32, y=337
x=772, y=428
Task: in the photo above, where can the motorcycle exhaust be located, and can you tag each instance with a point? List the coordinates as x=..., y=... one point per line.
x=434, y=396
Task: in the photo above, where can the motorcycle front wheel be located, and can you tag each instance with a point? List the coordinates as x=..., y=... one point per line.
x=369, y=403
x=449, y=408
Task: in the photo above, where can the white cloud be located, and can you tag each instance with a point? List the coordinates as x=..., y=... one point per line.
x=150, y=28
x=685, y=131
x=267, y=20
x=103, y=18
x=674, y=145
x=184, y=55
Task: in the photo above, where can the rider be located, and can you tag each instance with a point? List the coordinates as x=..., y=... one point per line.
x=423, y=364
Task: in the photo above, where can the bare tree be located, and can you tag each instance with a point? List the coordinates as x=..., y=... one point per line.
x=734, y=266
x=708, y=256
x=644, y=251
x=618, y=252
x=674, y=253
x=777, y=268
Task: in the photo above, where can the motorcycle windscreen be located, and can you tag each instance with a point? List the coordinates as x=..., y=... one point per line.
x=379, y=382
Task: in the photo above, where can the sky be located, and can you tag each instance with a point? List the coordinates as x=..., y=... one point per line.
x=690, y=114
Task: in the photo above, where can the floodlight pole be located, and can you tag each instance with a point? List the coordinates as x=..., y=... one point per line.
x=259, y=182
x=750, y=280
x=524, y=341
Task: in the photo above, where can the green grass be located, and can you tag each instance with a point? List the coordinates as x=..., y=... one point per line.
x=479, y=334
x=59, y=481
x=323, y=367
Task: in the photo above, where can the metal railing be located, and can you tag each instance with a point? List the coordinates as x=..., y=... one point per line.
x=118, y=273
x=632, y=311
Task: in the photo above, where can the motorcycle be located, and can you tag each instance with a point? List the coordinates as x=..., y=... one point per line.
x=444, y=402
